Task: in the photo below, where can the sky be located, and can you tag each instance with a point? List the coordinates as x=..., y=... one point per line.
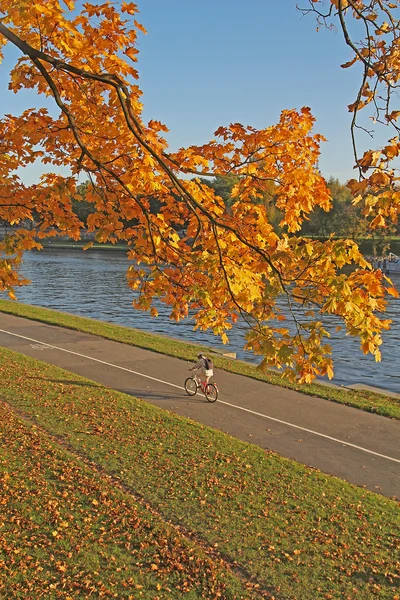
x=210, y=63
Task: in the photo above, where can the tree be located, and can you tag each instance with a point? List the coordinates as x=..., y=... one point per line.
x=344, y=219
x=81, y=207
x=229, y=263
x=222, y=186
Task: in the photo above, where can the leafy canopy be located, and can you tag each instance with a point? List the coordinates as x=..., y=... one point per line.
x=223, y=260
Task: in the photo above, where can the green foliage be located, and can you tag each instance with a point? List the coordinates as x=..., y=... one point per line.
x=344, y=220
x=80, y=205
x=222, y=186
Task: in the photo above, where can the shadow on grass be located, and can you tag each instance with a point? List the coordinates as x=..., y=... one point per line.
x=139, y=393
x=370, y=578
x=70, y=382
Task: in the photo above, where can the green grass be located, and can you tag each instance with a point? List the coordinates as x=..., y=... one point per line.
x=378, y=403
x=81, y=244
x=291, y=530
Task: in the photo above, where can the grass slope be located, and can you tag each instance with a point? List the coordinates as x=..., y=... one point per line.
x=383, y=405
x=68, y=533
x=290, y=530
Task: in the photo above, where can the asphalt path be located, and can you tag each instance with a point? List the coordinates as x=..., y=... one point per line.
x=359, y=447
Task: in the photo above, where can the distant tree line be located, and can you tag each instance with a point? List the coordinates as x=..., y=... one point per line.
x=344, y=220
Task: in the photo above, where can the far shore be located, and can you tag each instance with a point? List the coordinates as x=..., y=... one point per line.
x=366, y=244
x=67, y=245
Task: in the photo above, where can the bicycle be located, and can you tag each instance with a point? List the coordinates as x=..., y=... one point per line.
x=210, y=390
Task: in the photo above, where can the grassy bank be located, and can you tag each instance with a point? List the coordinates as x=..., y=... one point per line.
x=67, y=244
x=108, y=496
x=362, y=399
x=68, y=532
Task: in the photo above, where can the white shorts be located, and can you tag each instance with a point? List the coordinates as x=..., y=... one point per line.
x=204, y=373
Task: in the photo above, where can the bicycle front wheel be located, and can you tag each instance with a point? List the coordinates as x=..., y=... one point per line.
x=190, y=386
x=211, y=392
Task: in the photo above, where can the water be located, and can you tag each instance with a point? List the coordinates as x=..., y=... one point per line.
x=92, y=284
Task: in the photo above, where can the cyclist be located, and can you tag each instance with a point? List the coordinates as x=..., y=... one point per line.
x=203, y=368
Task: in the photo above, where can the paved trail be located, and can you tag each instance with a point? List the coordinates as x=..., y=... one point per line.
x=354, y=445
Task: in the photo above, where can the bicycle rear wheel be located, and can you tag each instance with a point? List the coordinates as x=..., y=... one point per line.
x=191, y=386
x=211, y=392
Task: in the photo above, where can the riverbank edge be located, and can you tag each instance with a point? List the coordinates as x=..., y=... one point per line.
x=80, y=245
x=362, y=399
x=67, y=243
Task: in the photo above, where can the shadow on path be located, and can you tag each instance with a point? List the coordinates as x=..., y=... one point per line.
x=148, y=395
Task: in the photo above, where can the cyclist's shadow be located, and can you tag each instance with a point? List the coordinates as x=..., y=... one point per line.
x=167, y=396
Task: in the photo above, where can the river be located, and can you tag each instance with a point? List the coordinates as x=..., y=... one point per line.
x=92, y=284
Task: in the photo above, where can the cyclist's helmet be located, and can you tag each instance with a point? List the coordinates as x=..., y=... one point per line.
x=201, y=355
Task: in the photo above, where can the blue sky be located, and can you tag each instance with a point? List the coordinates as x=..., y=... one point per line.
x=210, y=63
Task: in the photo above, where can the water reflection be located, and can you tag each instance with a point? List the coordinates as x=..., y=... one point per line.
x=92, y=284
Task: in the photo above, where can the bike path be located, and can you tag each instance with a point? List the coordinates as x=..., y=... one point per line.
x=359, y=447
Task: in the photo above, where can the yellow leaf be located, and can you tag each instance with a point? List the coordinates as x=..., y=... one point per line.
x=393, y=292
x=391, y=151
x=379, y=221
